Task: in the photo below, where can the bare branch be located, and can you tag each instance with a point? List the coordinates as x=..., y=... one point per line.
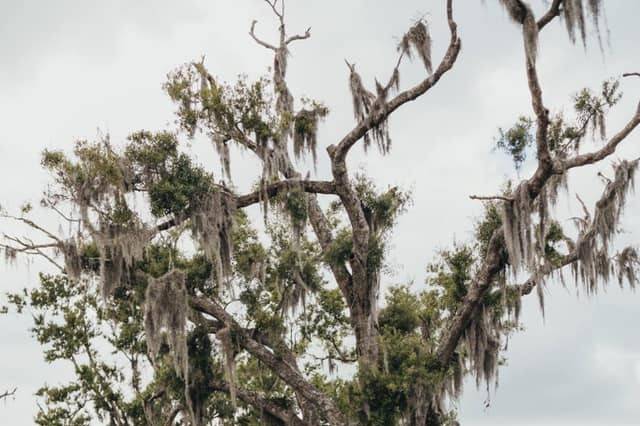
x=28, y=247
x=31, y=224
x=491, y=197
x=631, y=74
x=304, y=36
x=7, y=394
x=260, y=42
x=273, y=5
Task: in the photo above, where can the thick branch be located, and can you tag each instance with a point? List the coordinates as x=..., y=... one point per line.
x=553, y=12
x=542, y=114
x=495, y=262
x=315, y=187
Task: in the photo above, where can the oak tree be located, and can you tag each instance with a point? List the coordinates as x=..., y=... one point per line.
x=174, y=309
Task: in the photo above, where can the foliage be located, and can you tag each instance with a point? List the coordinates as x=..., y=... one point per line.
x=173, y=307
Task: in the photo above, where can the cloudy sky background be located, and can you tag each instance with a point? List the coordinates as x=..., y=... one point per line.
x=71, y=67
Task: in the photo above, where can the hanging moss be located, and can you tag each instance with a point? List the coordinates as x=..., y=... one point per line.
x=364, y=103
x=165, y=318
x=72, y=259
x=517, y=227
x=229, y=361
x=594, y=263
x=418, y=40
x=627, y=264
x=120, y=248
x=574, y=13
x=284, y=100
x=212, y=225
x=305, y=131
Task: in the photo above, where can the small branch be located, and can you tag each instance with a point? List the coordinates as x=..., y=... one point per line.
x=631, y=74
x=304, y=36
x=273, y=4
x=32, y=224
x=7, y=394
x=491, y=197
x=32, y=249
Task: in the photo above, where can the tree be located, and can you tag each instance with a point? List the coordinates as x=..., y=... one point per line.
x=244, y=328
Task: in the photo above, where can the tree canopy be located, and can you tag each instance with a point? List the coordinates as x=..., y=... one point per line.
x=175, y=307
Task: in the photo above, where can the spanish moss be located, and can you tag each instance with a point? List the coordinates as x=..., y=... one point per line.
x=165, y=318
x=211, y=225
x=366, y=103
x=418, y=40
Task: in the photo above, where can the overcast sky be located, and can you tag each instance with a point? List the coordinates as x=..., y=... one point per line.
x=71, y=67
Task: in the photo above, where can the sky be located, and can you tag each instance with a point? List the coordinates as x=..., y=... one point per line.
x=70, y=69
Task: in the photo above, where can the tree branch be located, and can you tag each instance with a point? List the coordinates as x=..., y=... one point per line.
x=260, y=42
x=288, y=417
x=283, y=369
x=495, y=259
x=7, y=394
x=315, y=187
x=605, y=151
x=379, y=115
x=490, y=198
x=304, y=36
x=553, y=12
